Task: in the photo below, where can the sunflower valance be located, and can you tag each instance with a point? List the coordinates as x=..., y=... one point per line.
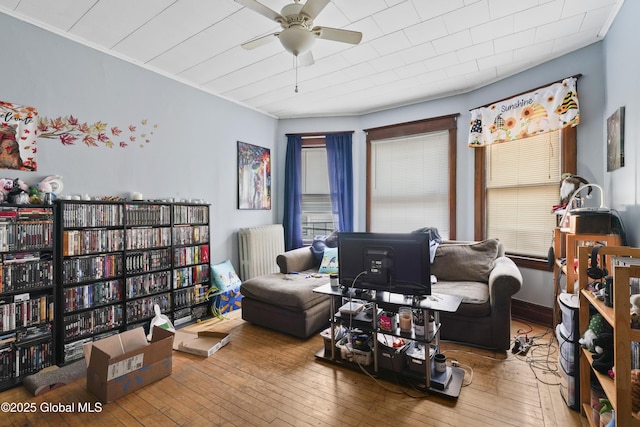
x=543, y=110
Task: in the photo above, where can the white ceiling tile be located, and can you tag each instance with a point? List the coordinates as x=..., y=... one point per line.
x=476, y=51
x=491, y=30
x=501, y=8
x=537, y=16
x=204, y=45
x=493, y=61
x=426, y=31
x=431, y=9
x=167, y=29
x=220, y=65
x=60, y=14
x=560, y=28
x=596, y=18
x=387, y=62
x=462, y=69
x=9, y=4
x=565, y=44
x=390, y=43
x=356, y=10
x=411, y=70
x=418, y=53
x=453, y=42
x=397, y=17
x=273, y=65
x=109, y=21
x=361, y=53
x=442, y=61
x=532, y=53
x=461, y=19
x=574, y=7
x=515, y=41
x=368, y=28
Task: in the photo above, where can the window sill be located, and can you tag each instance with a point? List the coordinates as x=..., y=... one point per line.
x=530, y=262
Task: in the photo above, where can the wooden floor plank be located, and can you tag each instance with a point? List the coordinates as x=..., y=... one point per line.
x=264, y=378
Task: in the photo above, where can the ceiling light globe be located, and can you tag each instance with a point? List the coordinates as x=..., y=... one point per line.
x=297, y=40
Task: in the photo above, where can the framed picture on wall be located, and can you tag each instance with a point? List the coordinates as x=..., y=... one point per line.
x=615, y=140
x=254, y=177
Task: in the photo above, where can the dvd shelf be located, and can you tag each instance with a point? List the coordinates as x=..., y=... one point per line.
x=147, y=259
x=191, y=276
x=90, y=273
x=27, y=292
x=118, y=259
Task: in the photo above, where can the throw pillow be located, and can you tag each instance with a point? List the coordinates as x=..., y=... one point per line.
x=225, y=276
x=469, y=262
x=317, y=249
x=329, y=262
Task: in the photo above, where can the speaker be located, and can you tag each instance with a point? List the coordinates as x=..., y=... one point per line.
x=594, y=271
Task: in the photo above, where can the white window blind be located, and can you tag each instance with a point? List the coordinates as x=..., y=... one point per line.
x=317, y=217
x=410, y=183
x=523, y=180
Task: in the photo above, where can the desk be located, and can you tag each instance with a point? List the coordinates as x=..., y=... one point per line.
x=432, y=304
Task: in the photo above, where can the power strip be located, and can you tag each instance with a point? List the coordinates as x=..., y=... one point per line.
x=522, y=345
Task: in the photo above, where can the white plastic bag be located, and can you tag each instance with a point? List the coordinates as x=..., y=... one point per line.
x=159, y=320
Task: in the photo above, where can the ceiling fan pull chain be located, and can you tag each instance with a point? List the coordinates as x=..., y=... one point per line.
x=296, y=63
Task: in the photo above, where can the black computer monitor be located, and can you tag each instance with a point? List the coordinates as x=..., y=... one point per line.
x=393, y=262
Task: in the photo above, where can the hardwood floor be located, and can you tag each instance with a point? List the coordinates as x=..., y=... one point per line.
x=266, y=378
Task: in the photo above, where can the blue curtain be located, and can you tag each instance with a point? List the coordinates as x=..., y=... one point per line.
x=293, y=193
x=339, y=159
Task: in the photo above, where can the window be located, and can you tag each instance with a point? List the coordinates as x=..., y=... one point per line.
x=411, y=176
x=317, y=217
x=518, y=183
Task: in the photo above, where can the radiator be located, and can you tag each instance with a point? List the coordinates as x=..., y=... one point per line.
x=259, y=247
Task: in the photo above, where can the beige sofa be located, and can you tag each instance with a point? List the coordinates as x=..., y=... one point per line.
x=477, y=271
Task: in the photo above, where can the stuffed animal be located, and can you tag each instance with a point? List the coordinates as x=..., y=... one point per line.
x=18, y=192
x=597, y=327
x=635, y=311
x=6, y=185
x=51, y=184
x=603, y=357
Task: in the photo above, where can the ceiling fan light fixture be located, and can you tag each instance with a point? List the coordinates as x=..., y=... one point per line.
x=297, y=40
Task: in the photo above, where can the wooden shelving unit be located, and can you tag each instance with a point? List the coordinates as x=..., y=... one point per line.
x=617, y=390
x=566, y=244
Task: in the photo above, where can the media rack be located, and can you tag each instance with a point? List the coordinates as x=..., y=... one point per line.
x=432, y=304
x=27, y=291
x=118, y=259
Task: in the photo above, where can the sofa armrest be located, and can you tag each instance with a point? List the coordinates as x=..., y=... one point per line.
x=505, y=280
x=300, y=259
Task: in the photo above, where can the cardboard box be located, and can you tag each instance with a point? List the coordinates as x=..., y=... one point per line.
x=125, y=362
x=204, y=343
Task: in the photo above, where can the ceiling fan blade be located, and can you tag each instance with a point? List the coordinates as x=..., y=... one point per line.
x=260, y=41
x=338, y=35
x=261, y=9
x=306, y=59
x=313, y=8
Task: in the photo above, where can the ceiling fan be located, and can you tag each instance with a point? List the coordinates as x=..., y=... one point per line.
x=298, y=33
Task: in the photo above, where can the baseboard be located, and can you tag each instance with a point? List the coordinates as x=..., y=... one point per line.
x=532, y=312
